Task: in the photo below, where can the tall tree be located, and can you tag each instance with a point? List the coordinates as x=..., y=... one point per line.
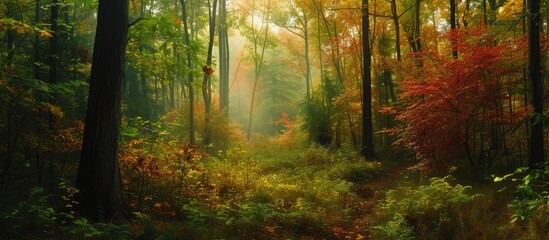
x=98, y=175
x=367, y=124
x=453, y=28
x=206, y=81
x=190, y=71
x=536, y=148
x=223, y=59
x=397, y=28
x=295, y=19
x=259, y=40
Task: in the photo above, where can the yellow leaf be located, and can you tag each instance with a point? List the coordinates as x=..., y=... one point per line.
x=44, y=33
x=56, y=111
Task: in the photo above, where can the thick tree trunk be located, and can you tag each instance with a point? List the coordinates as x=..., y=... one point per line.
x=536, y=148
x=367, y=125
x=98, y=174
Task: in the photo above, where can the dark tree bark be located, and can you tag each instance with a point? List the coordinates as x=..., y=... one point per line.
x=453, y=28
x=536, y=148
x=206, y=81
x=190, y=74
x=98, y=174
x=367, y=125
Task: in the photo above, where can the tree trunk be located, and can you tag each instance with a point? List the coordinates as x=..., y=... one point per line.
x=258, y=62
x=98, y=174
x=190, y=74
x=223, y=59
x=397, y=28
x=308, y=82
x=453, y=28
x=367, y=127
x=206, y=85
x=536, y=148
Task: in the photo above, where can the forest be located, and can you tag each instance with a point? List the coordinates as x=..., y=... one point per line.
x=274, y=119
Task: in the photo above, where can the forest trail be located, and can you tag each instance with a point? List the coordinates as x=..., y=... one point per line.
x=369, y=193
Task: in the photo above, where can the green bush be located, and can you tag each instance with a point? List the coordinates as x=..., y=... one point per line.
x=395, y=229
x=36, y=218
x=316, y=155
x=531, y=203
x=438, y=210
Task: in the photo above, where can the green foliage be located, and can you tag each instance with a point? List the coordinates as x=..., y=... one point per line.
x=254, y=215
x=531, y=203
x=432, y=211
x=396, y=228
x=36, y=218
x=317, y=113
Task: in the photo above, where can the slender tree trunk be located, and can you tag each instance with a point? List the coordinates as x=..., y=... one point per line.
x=206, y=90
x=308, y=82
x=485, y=12
x=367, y=125
x=536, y=148
x=258, y=62
x=453, y=28
x=397, y=28
x=98, y=174
x=467, y=8
x=190, y=74
x=418, y=26
x=223, y=59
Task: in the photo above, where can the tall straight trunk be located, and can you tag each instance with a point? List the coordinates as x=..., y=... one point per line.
x=536, y=149
x=453, y=28
x=367, y=124
x=258, y=62
x=485, y=12
x=418, y=25
x=190, y=74
x=98, y=175
x=206, y=81
x=319, y=42
x=223, y=59
x=308, y=82
x=467, y=8
x=397, y=28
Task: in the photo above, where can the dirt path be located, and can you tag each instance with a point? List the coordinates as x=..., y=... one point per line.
x=369, y=199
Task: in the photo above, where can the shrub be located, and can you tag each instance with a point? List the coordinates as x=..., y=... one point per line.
x=531, y=203
x=36, y=218
x=433, y=211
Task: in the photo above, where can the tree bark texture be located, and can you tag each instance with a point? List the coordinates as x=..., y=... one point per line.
x=367, y=124
x=536, y=149
x=98, y=175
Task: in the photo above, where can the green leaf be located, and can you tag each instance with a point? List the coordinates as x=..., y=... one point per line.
x=129, y=132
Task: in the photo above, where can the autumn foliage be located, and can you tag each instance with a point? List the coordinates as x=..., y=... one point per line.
x=465, y=107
